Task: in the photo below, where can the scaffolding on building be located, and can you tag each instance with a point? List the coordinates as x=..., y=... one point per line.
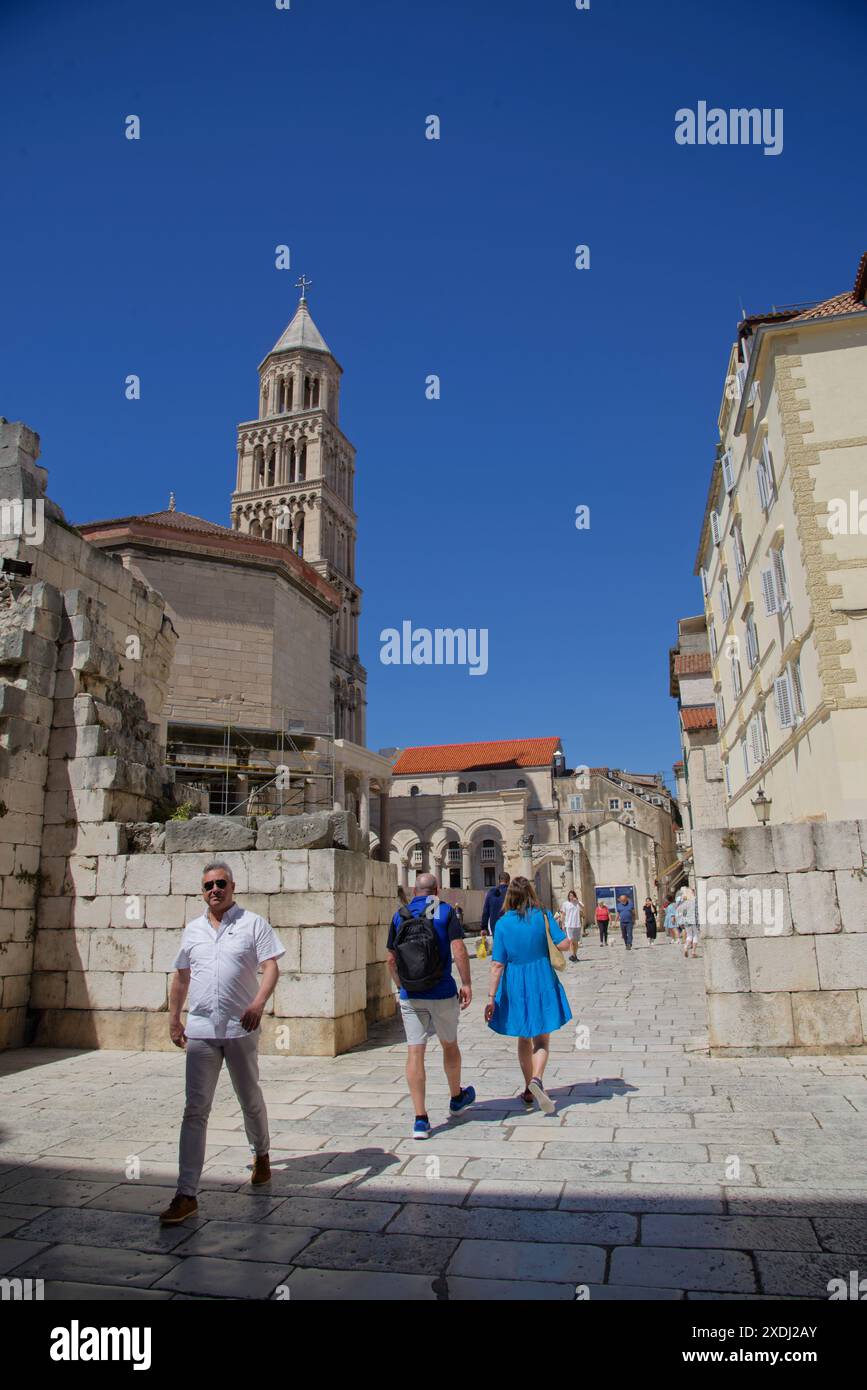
x=285, y=767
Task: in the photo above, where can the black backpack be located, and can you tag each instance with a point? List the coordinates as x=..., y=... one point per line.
x=417, y=951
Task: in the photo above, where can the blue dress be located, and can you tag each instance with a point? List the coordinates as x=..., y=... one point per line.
x=530, y=999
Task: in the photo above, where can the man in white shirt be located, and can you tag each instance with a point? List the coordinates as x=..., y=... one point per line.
x=570, y=917
x=220, y=954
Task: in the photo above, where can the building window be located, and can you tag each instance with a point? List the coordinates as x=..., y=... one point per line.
x=752, y=639
x=413, y=791
x=798, y=688
x=711, y=632
x=416, y=858
x=462, y=786
x=520, y=782
x=746, y=757
x=728, y=778
x=472, y=787
x=489, y=851
x=740, y=558
x=720, y=711
x=627, y=805
x=614, y=803
x=784, y=701
x=779, y=564
x=736, y=679
x=725, y=598
x=576, y=803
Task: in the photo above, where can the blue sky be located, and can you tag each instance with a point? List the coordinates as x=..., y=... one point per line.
x=559, y=387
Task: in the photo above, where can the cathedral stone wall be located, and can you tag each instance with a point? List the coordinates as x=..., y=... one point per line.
x=241, y=638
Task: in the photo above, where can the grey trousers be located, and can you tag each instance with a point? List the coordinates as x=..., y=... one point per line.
x=204, y=1060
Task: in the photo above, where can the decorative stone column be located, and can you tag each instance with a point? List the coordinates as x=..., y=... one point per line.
x=466, y=867
x=404, y=873
x=339, y=789
x=364, y=808
x=568, y=873
x=527, y=856
x=384, y=827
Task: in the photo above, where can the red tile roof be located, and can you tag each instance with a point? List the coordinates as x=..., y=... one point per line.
x=468, y=757
x=698, y=717
x=692, y=664
x=182, y=529
x=840, y=304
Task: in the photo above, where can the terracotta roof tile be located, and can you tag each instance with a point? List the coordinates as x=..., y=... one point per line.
x=466, y=757
x=698, y=717
x=840, y=304
x=184, y=521
x=692, y=664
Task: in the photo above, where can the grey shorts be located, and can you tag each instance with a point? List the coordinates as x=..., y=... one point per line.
x=428, y=1018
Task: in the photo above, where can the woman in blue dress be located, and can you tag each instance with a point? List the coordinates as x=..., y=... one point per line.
x=526, y=1000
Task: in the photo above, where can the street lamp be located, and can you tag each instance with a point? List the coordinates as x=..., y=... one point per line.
x=761, y=804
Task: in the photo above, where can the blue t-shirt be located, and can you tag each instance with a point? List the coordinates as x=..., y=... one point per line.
x=626, y=913
x=448, y=929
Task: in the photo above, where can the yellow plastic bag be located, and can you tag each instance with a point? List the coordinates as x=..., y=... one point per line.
x=481, y=949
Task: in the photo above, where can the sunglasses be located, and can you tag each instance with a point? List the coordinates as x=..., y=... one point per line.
x=214, y=883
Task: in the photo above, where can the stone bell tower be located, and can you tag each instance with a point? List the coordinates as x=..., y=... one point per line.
x=295, y=486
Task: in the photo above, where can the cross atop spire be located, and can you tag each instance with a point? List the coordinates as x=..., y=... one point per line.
x=302, y=284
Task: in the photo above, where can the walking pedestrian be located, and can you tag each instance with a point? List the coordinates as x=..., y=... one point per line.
x=670, y=919
x=492, y=907
x=219, y=956
x=422, y=939
x=525, y=999
x=570, y=921
x=626, y=917
x=649, y=921
x=603, y=916
x=690, y=923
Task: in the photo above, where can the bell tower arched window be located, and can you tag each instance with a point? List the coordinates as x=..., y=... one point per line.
x=302, y=463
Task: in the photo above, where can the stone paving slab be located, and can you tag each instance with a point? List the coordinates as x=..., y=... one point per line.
x=224, y=1278
x=337, y=1286
x=516, y=1259
x=623, y=1192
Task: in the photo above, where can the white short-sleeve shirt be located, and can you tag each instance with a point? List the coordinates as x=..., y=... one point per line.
x=571, y=916
x=223, y=965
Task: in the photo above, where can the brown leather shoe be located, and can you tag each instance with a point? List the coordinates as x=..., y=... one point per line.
x=178, y=1209
x=261, y=1169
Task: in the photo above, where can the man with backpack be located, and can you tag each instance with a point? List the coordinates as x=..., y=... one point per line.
x=422, y=938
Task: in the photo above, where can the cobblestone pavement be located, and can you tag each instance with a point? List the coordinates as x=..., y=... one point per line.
x=665, y=1174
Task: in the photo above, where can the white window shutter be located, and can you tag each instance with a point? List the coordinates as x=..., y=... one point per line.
x=797, y=687
x=761, y=481
x=780, y=576
x=728, y=471
x=754, y=393
x=770, y=480
x=714, y=527
x=756, y=740
x=784, y=702
x=728, y=779
x=703, y=573
x=769, y=592
x=742, y=376
x=711, y=632
x=746, y=755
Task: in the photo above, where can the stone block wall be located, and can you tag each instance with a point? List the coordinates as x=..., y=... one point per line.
x=85, y=652
x=110, y=930
x=783, y=912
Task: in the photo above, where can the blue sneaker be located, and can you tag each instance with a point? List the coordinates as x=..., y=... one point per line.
x=459, y=1103
x=421, y=1129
